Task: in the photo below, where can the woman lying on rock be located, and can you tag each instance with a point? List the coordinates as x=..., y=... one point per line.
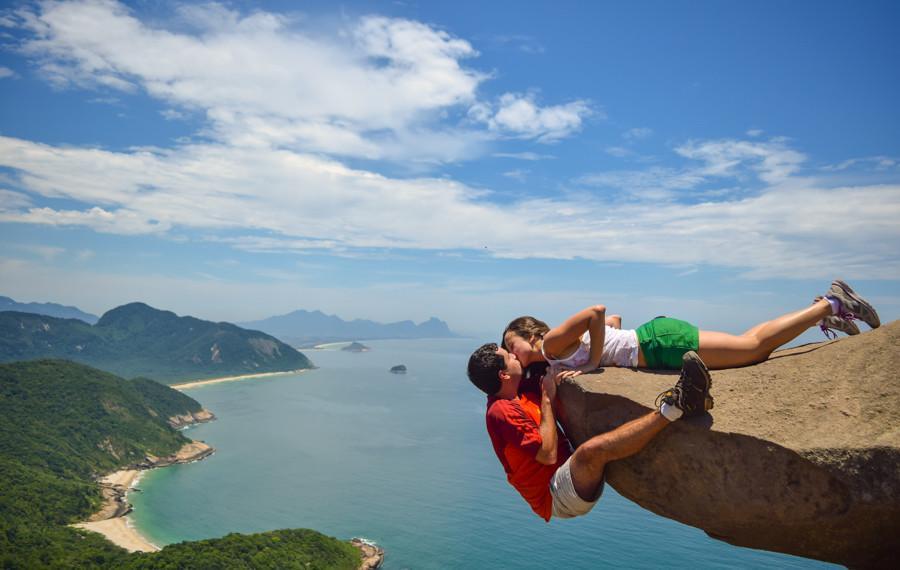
x=590, y=339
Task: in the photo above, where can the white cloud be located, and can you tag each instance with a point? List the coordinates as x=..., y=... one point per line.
x=654, y=183
x=524, y=155
x=618, y=151
x=878, y=162
x=6, y=72
x=45, y=252
x=517, y=174
x=172, y=114
x=262, y=79
x=773, y=161
x=787, y=225
x=519, y=116
x=83, y=255
x=637, y=133
x=12, y=201
x=279, y=94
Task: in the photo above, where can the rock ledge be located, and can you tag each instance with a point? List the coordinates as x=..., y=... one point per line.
x=800, y=455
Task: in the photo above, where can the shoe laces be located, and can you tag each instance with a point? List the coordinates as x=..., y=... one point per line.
x=665, y=396
x=829, y=334
x=842, y=314
x=847, y=316
x=675, y=394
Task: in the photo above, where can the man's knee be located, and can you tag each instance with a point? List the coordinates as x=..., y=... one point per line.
x=594, y=453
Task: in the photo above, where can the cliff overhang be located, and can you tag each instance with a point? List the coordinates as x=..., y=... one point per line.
x=800, y=455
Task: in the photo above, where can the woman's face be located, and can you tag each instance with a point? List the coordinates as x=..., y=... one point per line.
x=522, y=348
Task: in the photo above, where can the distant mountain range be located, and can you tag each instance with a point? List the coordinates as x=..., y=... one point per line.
x=49, y=309
x=307, y=328
x=138, y=340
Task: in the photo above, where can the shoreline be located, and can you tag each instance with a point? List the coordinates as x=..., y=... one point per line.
x=117, y=528
x=209, y=381
x=112, y=520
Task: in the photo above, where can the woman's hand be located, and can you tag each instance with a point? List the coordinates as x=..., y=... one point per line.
x=560, y=374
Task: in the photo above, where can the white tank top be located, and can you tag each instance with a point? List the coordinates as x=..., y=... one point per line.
x=620, y=348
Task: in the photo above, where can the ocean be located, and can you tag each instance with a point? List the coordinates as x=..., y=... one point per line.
x=350, y=449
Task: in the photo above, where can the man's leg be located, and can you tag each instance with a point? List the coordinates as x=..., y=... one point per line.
x=589, y=460
x=689, y=397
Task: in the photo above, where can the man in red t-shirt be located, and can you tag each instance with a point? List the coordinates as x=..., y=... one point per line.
x=534, y=452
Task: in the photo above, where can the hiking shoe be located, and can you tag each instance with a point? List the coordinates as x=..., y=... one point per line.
x=836, y=323
x=833, y=323
x=691, y=393
x=853, y=304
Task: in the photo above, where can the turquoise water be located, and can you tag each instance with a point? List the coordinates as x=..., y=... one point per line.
x=353, y=450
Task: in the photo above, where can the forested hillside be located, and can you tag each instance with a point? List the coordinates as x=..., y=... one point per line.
x=138, y=340
x=63, y=423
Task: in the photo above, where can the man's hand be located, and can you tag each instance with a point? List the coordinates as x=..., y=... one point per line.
x=549, y=382
x=547, y=453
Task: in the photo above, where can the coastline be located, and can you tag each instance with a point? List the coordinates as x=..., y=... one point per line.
x=112, y=519
x=209, y=381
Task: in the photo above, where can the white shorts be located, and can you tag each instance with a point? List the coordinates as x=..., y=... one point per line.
x=566, y=502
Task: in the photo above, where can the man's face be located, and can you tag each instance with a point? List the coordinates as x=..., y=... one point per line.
x=513, y=366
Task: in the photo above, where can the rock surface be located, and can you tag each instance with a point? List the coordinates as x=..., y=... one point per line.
x=372, y=555
x=190, y=418
x=800, y=455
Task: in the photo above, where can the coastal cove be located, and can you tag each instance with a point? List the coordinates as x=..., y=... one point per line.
x=350, y=449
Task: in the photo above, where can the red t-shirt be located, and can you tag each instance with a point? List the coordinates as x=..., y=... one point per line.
x=515, y=434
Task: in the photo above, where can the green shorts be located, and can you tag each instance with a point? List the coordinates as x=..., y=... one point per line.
x=664, y=341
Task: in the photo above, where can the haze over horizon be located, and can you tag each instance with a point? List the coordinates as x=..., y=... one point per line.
x=397, y=161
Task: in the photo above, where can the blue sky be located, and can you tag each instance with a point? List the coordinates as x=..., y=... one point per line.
x=716, y=161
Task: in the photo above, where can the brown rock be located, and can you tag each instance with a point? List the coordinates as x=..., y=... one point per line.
x=801, y=453
x=372, y=555
x=201, y=416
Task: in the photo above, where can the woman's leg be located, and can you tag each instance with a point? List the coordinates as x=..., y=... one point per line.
x=721, y=350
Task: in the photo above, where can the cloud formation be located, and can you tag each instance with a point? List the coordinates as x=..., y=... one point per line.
x=286, y=107
x=378, y=88
x=285, y=201
x=519, y=116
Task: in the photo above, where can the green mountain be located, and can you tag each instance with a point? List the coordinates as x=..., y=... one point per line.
x=138, y=340
x=61, y=424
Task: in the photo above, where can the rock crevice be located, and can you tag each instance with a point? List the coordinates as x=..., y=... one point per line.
x=801, y=454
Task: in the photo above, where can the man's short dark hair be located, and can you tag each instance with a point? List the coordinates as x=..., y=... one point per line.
x=484, y=367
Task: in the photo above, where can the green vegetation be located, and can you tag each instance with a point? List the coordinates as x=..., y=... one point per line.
x=138, y=340
x=61, y=424
x=277, y=549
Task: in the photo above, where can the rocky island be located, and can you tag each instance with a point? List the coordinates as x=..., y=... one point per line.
x=399, y=369
x=356, y=347
x=801, y=454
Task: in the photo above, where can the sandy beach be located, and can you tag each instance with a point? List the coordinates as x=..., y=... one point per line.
x=197, y=383
x=111, y=525
x=112, y=519
x=121, y=534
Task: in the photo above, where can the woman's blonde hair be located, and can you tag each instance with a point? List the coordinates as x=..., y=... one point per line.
x=525, y=327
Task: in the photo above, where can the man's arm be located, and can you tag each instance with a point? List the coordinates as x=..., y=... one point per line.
x=614, y=321
x=547, y=453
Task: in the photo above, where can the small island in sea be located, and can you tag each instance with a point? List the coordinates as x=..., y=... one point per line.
x=399, y=369
x=356, y=347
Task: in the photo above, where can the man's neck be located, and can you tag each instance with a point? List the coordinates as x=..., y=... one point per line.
x=509, y=390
